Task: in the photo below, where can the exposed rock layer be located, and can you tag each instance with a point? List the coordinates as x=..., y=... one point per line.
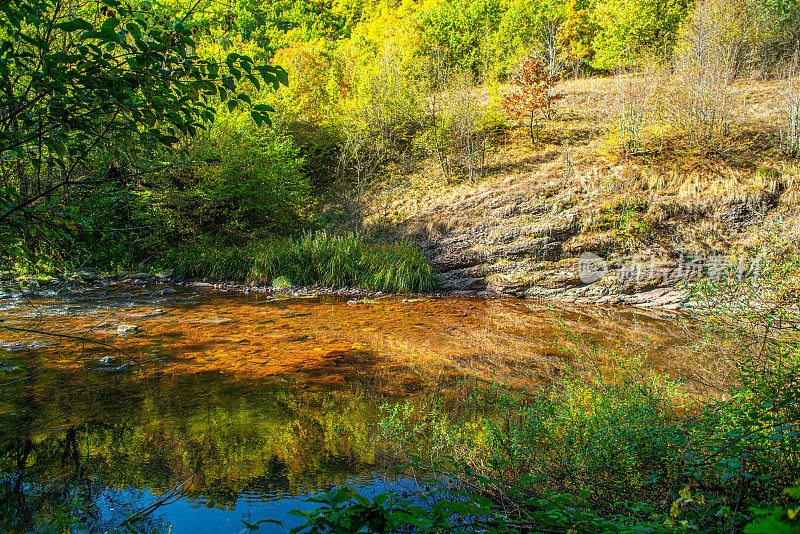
x=563, y=245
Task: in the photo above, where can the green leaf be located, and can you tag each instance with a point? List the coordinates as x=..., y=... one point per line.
x=134, y=29
x=254, y=81
x=108, y=28
x=168, y=140
x=282, y=75
x=74, y=25
x=213, y=70
x=231, y=59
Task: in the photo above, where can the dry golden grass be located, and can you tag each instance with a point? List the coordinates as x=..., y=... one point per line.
x=576, y=164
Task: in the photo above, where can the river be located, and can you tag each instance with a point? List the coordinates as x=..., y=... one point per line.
x=236, y=408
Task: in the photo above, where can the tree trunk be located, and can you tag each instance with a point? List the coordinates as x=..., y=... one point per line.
x=533, y=140
x=22, y=176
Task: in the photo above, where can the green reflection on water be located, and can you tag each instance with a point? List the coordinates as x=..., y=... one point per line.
x=230, y=436
x=242, y=396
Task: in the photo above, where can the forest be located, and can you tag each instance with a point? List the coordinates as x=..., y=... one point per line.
x=630, y=167
x=174, y=126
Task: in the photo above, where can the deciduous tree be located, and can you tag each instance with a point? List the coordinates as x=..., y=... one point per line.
x=113, y=78
x=532, y=90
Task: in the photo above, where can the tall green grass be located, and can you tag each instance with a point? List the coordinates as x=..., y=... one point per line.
x=318, y=258
x=326, y=259
x=217, y=263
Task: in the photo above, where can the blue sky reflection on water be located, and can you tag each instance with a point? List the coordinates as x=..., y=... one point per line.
x=188, y=516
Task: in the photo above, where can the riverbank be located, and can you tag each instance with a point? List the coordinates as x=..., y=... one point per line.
x=18, y=285
x=624, y=293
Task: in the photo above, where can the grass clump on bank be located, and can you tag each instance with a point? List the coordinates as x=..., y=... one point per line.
x=216, y=263
x=325, y=259
x=315, y=258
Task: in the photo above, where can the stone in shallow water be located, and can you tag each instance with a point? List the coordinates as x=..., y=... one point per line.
x=163, y=275
x=87, y=276
x=6, y=276
x=124, y=329
x=14, y=292
x=140, y=276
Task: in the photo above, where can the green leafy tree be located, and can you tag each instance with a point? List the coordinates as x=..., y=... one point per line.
x=776, y=35
x=522, y=27
x=253, y=180
x=275, y=24
x=458, y=31
x=113, y=79
x=639, y=27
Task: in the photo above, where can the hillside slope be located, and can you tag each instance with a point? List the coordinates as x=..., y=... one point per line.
x=644, y=223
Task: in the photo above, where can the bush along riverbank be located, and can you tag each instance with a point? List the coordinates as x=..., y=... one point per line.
x=613, y=447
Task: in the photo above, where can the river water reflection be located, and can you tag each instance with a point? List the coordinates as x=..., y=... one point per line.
x=249, y=403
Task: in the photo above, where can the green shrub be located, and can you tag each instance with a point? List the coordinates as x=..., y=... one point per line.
x=252, y=180
x=588, y=457
x=624, y=217
x=320, y=145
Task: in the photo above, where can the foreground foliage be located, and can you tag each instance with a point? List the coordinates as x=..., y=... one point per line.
x=596, y=460
x=89, y=92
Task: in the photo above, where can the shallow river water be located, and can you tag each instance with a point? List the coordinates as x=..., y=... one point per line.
x=236, y=408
